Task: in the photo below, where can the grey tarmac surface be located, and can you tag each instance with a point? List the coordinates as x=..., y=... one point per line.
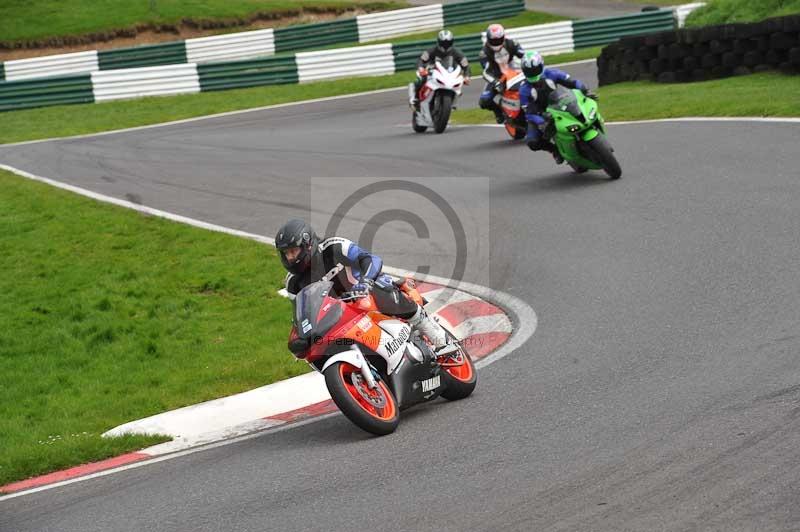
x=661, y=390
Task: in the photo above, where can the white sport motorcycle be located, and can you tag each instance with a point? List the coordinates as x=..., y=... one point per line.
x=438, y=96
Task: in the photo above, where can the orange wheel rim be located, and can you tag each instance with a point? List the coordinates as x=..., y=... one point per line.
x=375, y=397
x=459, y=367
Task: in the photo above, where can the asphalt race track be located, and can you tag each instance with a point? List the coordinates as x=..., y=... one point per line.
x=661, y=390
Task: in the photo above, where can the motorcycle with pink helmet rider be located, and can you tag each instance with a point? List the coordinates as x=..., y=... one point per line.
x=498, y=52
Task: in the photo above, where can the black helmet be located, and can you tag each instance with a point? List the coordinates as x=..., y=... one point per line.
x=444, y=40
x=297, y=234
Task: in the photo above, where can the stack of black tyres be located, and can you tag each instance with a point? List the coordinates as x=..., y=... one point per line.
x=705, y=53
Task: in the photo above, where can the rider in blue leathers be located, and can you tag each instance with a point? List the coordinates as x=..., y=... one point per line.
x=533, y=94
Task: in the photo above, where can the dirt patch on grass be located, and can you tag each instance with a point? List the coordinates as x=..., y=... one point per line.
x=185, y=29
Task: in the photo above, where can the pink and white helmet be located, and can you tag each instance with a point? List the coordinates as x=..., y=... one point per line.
x=495, y=37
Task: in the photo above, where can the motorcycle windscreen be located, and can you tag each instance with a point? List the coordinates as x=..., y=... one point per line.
x=315, y=312
x=446, y=62
x=564, y=99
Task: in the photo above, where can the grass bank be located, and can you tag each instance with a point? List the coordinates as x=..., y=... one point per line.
x=739, y=96
x=730, y=11
x=108, y=316
x=40, y=19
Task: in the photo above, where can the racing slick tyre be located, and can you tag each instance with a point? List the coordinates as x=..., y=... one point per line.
x=442, y=106
x=459, y=374
x=374, y=411
x=516, y=133
x=605, y=157
x=578, y=169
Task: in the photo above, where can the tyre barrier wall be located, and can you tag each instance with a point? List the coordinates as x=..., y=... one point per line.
x=370, y=60
x=704, y=53
x=259, y=43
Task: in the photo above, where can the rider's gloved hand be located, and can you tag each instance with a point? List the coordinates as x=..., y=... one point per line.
x=364, y=285
x=499, y=86
x=589, y=94
x=422, y=72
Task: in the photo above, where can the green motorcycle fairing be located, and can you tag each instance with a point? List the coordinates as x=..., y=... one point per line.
x=574, y=116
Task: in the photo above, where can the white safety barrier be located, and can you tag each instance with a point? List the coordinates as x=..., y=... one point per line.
x=683, y=11
x=377, y=26
x=231, y=46
x=52, y=65
x=147, y=81
x=374, y=60
x=552, y=38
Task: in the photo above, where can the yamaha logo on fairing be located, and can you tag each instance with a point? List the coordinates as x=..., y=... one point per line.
x=431, y=384
x=394, y=345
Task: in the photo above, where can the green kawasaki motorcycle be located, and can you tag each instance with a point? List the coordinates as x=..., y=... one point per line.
x=575, y=125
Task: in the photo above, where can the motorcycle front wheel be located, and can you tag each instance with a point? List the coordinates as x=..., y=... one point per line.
x=442, y=107
x=373, y=410
x=605, y=156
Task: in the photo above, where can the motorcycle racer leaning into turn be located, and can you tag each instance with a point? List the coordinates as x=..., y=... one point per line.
x=444, y=48
x=533, y=97
x=351, y=269
x=497, y=54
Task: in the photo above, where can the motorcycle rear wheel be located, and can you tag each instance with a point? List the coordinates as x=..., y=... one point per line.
x=461, y=379
x=516, y=133
x=374, y=411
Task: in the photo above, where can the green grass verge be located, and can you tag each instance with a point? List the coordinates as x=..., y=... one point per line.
x=66, y=120
x=526, y=18
x=660, y=2
x=108, y=316
x=729, y=11
x=739, y=96
x=25, y=19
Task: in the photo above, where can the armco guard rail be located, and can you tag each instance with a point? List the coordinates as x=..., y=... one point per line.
x=360, y=29
x=142, y=56
x=243, y=45
x=300, y=67
x=594, y=32
x=52, y=65
x=478, y=10
x=374, y=60
x=377, y=26
x=146, y=81
x=247, y=73
x=44, y=92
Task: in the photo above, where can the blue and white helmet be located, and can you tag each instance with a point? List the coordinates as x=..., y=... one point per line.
x=533, y=66
x=444, y=40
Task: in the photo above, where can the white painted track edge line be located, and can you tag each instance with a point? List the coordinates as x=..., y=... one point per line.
x=523, y=318
x=208, y=117
x=764, y=119
x=164, y=457
x=231, y=113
